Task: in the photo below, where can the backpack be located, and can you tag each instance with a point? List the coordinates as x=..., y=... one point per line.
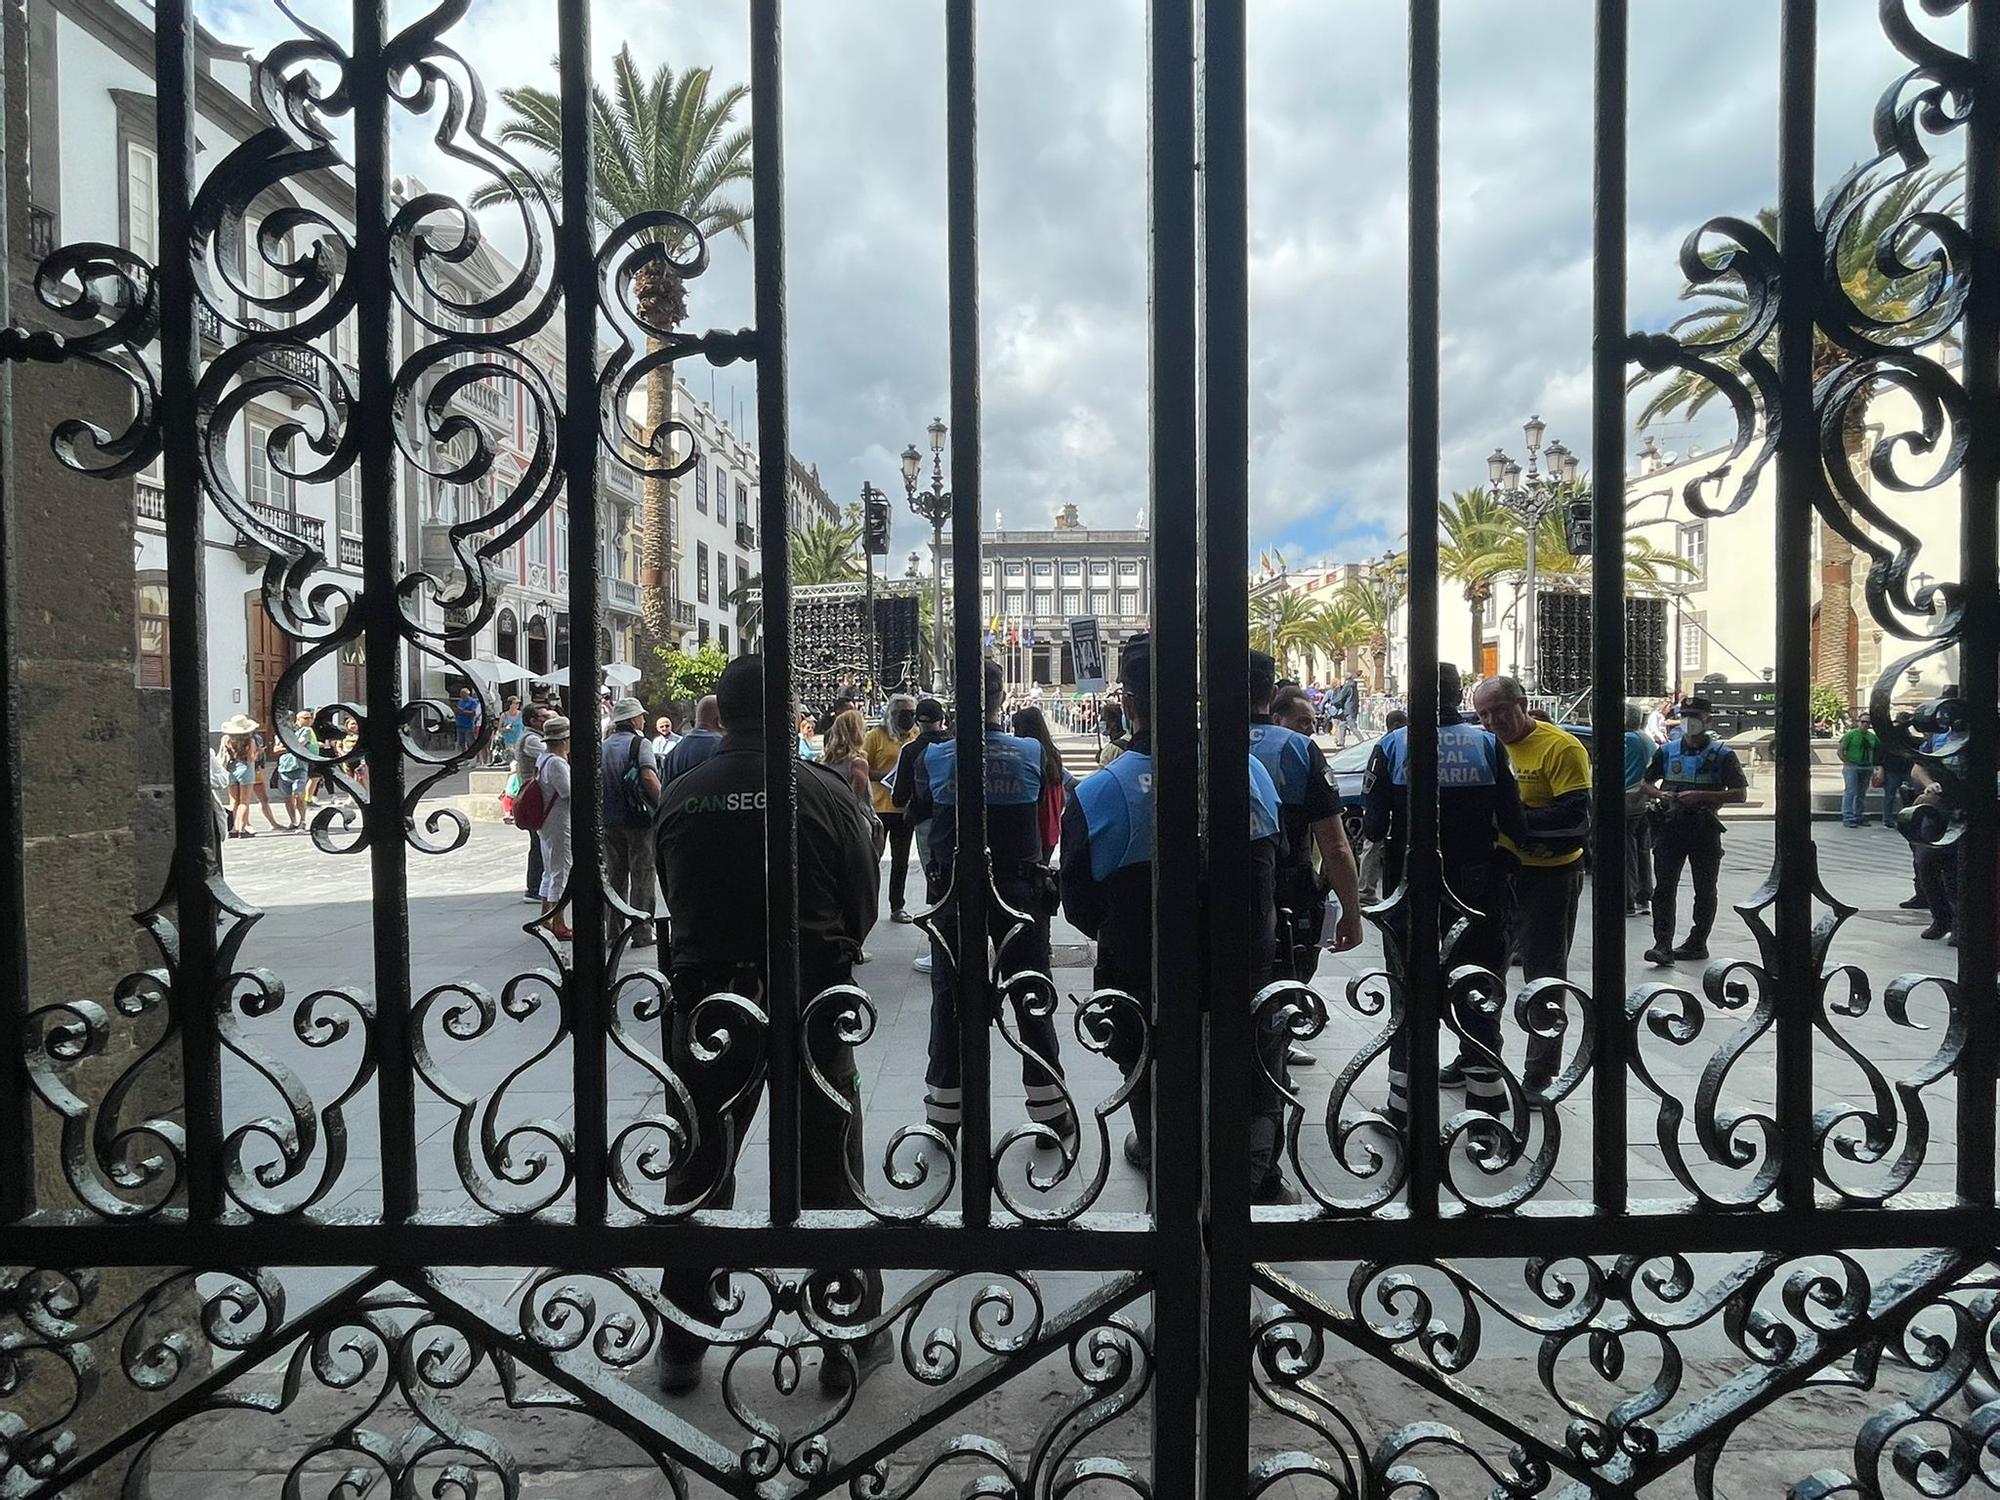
x=640, y=809
x=532, y=807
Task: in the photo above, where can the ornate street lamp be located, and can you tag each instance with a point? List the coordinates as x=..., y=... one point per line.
x=1533, y=495
x=933, y=504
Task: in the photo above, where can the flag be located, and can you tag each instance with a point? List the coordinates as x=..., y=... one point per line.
x=1028, y=635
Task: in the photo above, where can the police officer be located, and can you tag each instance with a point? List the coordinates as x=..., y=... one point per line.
x=1107, y=894
x=1691, y=776
x=710, y=841
x=1023, y=883
x=1309, y=802
x=1479, y=805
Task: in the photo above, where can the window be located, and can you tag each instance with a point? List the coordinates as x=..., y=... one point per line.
x=142, y=201
x=1690, y=646
x=1128, y=603
x=986, y=570
x=1489, y=612
x=1072, y=570
x=538, y=543
x=742, y=505
x=722, y=638
x=347, y=503
x=701, y=630
x=1044, y=570
x=701, y=576
x=1016, y=602
x=700, y=483
x=1128, y=570
x=562, y=541
x=345, y=340
x=721, y=578
x=1100, y=603
x=1072, y=603
x=153, y=629
x=1045, y=603
x=721, y=494
x=1100, y=570
x=267, y=486
x=1694, y=546
x=742, y=574
x=1014, y=570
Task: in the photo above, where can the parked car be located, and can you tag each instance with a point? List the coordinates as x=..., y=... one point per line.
x=1350, y=766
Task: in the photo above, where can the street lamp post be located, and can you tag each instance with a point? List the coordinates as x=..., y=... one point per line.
x=1387, y=574
x=1532, y=495
x=934, y=505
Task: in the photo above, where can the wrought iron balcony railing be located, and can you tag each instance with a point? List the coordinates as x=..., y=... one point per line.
x=310, y=529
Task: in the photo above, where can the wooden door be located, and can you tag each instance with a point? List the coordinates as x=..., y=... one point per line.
x=1489, y=659
x=270, y=653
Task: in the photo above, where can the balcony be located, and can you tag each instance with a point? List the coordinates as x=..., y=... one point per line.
x=684, y=613
x=41, y=231
x=746, y=536
x=483, y=398
x=350, y=553
x=293, y=362
x=619, y=593
x=149, y=503
x=310, y=529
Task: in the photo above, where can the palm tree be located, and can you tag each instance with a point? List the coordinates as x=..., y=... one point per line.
x=1722, y=311
x=1337, y=629
x=822, y=552
x=658, y=143
x=1473, y=536
x=1375, y=612
x=1282, y=621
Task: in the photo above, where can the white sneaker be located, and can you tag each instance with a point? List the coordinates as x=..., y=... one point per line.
x=922, y=963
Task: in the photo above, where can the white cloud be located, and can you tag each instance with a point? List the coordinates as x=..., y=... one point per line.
x=1063, y=248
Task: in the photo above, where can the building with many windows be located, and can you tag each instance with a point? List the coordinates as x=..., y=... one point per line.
x=1033, y=583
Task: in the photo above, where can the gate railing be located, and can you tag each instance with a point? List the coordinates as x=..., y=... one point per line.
x=1204, y=1304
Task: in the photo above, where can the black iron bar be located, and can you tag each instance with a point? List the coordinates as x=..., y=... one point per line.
x=381, y=609
x=1222, y=501
x=1800, y=478
x=580, y=449
x=781, y=758
x=17, y=1135
x=1609, y=893
x=196, y=865
x=1979, y=650
x=851, y=1237
x=972, y=869
x=1423, y=876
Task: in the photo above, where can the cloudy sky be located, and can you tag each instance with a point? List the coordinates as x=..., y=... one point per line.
x=1063, y=248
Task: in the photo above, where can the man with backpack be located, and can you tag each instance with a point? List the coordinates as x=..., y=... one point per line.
x=631, y=790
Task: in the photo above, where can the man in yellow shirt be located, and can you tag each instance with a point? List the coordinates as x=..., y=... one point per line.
x=1552, y=770
x=882, y=745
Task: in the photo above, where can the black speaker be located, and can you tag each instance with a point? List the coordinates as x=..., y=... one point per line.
x=898, y=652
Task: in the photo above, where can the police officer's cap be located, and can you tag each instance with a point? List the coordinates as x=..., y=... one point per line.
x=930, y=711
x=1699, y=707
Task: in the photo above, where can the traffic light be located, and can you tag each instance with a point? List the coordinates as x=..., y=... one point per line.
x=875, y=523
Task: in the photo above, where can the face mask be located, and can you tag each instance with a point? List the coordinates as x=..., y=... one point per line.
x=1694, y=725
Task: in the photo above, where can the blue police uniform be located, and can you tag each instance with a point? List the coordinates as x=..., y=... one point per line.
x=1107, y=893
x=1690, y=836
x=1306, y=795
x=1014, y=840
x=1478, y=805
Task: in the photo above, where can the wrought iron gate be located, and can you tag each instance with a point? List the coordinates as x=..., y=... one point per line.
x=1795, y=1233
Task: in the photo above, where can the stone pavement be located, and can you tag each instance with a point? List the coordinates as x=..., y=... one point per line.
x=467, y=921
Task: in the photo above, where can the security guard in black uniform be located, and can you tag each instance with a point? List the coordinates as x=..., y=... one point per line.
x=1023, y=883
x=1107, y=893
x=1478, y=804
x=1691, y=776
x=710, y=841
x=1310, y=806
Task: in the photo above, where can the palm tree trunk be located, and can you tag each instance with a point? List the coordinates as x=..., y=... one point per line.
x=656, y=604
x=1476, y=604
x=1834, y=664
